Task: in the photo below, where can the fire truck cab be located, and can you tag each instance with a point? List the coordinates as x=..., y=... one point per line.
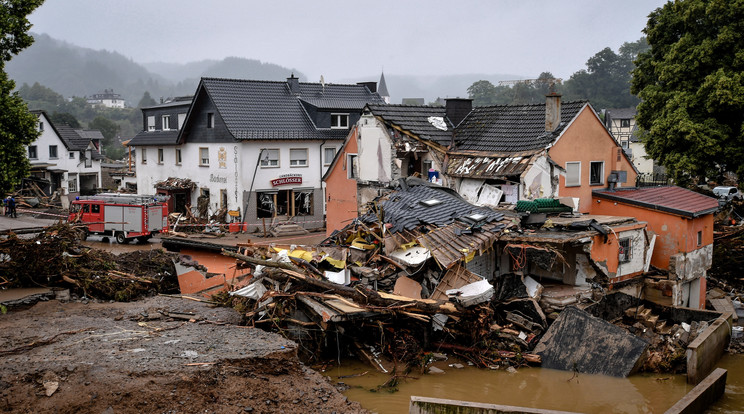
x=123, y=216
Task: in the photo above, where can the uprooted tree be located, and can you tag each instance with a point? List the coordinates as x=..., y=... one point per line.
x=17, y=125
x=691, y=83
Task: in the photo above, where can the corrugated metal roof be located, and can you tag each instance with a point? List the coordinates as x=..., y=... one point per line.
x=672, y=199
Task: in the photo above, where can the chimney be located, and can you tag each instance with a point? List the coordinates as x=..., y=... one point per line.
x=457, y=109
x=294, y=84
x=552, y=111
x=372, y=86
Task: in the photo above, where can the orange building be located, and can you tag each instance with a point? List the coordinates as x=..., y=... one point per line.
x=341, y=185
x=682, y=225
x=592, y=158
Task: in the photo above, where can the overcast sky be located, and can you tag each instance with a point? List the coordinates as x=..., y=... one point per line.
x=346, y=39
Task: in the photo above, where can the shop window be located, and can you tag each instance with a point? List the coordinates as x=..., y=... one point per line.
x=265, y=205
x=596, y=173
x=303, y=203
x=624, y=250
x=573, y=174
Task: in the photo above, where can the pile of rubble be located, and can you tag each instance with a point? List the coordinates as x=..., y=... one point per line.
x=56, y=258
x=400, y=285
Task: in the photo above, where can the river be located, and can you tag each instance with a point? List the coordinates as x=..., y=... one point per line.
x=537, y=388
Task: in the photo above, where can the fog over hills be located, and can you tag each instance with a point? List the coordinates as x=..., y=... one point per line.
x=75, y=71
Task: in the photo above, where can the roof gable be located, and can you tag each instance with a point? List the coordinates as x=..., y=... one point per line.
x=674, y=200
x=511, y=128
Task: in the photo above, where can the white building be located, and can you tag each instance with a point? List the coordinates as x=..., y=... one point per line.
x=107, y=98
x=257, y=149
x=65, y=158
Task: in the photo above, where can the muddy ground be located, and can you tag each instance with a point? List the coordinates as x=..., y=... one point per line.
x=159, y=355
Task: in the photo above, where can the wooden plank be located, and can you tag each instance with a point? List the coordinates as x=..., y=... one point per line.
x=325, y=313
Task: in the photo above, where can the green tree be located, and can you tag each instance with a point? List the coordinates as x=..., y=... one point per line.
x=17, y=124
x=691, y=85
x=483, y=93
x=108, y=129
x=146, y=101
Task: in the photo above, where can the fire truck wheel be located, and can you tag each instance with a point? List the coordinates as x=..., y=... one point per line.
x=121, y=239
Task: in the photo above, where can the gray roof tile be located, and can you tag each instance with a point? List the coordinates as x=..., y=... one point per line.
x=415, y=119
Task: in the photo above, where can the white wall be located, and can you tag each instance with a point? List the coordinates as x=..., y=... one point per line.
x=375, y=151
x=538, y=180
x=644, y=164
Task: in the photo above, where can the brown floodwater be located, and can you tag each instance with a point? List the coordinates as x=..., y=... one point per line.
x=536, y=388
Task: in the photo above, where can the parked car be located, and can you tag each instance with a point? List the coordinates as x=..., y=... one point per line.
x=728, y=193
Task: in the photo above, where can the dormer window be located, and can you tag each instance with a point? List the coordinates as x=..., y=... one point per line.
x=150, y=123
x=166, y=122
x=340, y=121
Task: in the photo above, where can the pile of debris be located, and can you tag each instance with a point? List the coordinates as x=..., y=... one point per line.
x=56, y=258
x=31, y=195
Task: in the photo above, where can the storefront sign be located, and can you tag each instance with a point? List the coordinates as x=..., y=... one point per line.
x=285, y=179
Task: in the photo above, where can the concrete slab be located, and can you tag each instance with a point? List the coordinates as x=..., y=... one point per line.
x=579, y=341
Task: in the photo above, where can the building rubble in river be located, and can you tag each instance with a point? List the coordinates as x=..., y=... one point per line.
x=424, y=274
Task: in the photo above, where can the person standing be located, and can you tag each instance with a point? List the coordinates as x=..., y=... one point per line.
x=12, y=207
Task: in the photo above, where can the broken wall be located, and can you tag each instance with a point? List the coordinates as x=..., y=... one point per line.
x=375, y=151
x=540, y=180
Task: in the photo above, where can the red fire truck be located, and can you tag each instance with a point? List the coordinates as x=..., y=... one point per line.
x=123, y=216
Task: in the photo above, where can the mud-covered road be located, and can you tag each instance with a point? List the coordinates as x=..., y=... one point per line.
x=162, y=354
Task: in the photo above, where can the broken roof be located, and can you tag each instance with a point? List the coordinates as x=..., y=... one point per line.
x=419, y=204
x=175, y=183
x=511, y=128
x=672, y=199
x=253, y=109
x=419, y=120
x=492, y=166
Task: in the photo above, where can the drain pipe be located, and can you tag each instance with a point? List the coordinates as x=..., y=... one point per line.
x=253, y=180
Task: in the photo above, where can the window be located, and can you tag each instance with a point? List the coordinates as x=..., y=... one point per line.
x=166, y=122
x=298, y=157
x=72, y=185
x=143, y=153
x=339, y=120
x=328, y=155
x=160, y=156
x=573, y=174
x=52, y=151
x=624, y=144
x=41, y=126
x=32, y=154
x=700, y=238
x=88, y=158
x=596, y=173
x=270, y=158
x=204, y=157
x=151, y=123
x=266, y=204
x=623, y=250
x=178, y=156
x=625, y=123
x=351, y=165
x=72, y=155
x=95, y=208
x=181, y=118
x=303, y=203
x=210, y=120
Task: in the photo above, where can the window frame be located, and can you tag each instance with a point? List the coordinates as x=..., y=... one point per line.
x=202, y=158
x=178, y=156
x=700, y=238
x=351, y=163
x=291, y=160
x=33, y=152
x=339, y=117
x=53, y=155
x=181, y=118
x=143, y=155
x=151, y=123
x=161, y=155
x=266, y=163
x=210, y=120
x=624, y=250
x=577, y=182
x=165, y=122
x=625, y=123
x=601, y=173
x=326, y=160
